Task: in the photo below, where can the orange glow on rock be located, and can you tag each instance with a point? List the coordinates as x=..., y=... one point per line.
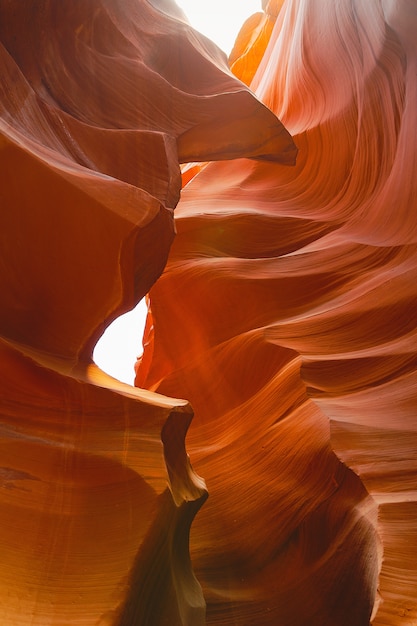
x=280, y=346
x=287, y=316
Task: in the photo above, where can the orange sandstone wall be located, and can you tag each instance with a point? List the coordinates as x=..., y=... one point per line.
x=287, y=316
x=100, y=101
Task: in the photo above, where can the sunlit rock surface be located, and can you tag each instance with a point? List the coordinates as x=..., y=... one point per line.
x=287, y=316
x=100, y=101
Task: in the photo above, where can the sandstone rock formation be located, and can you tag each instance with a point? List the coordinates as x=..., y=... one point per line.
x=293, y=330
x=285, y=318
x=99, y=103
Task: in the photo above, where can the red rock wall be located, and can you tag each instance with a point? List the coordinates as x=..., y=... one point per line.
x=287, y=316
x=99, y=103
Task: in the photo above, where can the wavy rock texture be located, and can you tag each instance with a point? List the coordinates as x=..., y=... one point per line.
x=99, y=102
x=287, y=316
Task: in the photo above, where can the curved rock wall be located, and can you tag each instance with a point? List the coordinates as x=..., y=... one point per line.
x=99, y=103
x=287, y=316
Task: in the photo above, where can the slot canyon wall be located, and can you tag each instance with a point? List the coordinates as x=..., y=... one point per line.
x=280, y=345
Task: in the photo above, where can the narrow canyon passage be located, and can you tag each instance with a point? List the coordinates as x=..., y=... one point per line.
x=263, y=469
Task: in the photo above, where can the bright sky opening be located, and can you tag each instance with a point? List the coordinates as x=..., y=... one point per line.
x=219, y=20
x=121, y=344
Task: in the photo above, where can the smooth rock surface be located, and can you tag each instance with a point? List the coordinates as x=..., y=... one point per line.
x=287, y=315
x=100, y=101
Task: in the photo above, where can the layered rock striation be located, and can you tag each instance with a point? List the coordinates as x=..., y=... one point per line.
x=100, y=101
x=281, y=335
x=287, y=316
